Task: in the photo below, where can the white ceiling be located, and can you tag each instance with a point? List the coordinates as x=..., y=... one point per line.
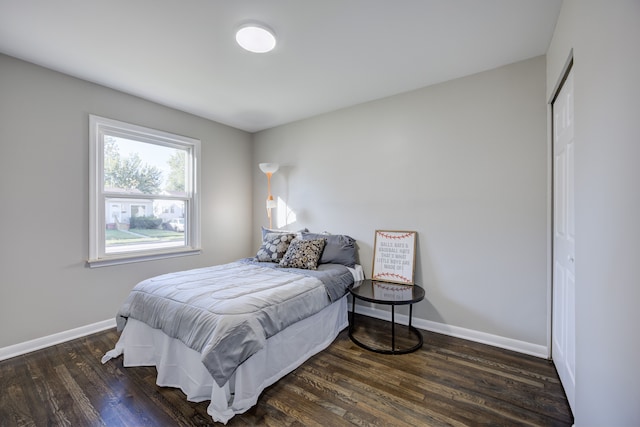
x=330, y=53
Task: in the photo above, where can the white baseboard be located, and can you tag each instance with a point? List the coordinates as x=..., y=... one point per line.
x=39, y=343
x=428, y=325
x=458, y=332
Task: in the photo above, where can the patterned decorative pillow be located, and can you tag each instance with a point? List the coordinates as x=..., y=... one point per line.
x=274, y=246
x=303, y=254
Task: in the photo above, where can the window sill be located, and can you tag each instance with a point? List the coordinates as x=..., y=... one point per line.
x=129, y=258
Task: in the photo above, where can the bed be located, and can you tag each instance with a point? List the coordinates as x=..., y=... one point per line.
x=224, y=333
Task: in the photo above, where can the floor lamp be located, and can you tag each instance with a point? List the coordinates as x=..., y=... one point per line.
x=269, y=169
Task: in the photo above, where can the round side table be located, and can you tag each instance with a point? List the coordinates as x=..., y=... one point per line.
x=387, y=294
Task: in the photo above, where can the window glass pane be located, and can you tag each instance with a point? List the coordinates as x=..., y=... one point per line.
x=134, y=167
x=143, y=224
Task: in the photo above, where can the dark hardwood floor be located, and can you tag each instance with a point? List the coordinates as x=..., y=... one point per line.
x=448, y=382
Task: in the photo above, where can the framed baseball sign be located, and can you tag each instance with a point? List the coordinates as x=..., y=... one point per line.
x=394, y=256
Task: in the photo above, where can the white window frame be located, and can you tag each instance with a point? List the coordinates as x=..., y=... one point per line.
x=98, y=128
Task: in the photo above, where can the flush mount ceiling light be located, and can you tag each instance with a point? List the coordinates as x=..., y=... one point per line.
x=256, y=38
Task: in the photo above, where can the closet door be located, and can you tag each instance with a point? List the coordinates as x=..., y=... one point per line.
x=564, y=284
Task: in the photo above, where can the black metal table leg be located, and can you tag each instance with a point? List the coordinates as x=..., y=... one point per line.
x=410, y=314
x=353, y=312
x=393, y=328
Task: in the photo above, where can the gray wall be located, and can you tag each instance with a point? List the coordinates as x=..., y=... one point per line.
x=604, y=37
x=45, y=286
x=463, y=163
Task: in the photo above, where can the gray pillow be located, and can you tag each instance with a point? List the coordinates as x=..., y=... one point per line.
x=274, y=246
x=270, y=230
x=339, y=248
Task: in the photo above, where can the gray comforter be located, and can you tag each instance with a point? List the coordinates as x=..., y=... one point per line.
x=227, y=312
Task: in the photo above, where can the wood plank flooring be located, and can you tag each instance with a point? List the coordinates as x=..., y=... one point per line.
x=449, y=382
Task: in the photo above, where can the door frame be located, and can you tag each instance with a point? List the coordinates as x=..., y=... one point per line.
x=564, y=73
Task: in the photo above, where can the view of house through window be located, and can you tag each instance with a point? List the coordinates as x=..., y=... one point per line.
x=145, y=188
x=145, y=201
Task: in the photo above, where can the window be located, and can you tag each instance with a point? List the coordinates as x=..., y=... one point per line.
x=144, y=193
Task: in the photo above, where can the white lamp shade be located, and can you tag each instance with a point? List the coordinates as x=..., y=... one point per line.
x=269, y=167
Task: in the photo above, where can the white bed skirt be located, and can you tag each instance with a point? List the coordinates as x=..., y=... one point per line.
x=180, y=366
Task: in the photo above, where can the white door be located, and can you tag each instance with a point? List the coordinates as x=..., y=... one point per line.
x=563, y=314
